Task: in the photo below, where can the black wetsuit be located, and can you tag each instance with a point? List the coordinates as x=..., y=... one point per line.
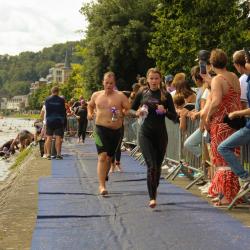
x=153, y=137
x=117, y=156
x=82, y=122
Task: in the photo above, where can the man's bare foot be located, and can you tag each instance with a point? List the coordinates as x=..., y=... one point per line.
x=152, y=203
x=103, y=191
x=112, y=168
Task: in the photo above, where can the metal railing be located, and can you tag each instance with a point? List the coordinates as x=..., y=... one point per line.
x=177, y=156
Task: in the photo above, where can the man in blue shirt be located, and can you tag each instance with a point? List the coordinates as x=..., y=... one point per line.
x=55, y=118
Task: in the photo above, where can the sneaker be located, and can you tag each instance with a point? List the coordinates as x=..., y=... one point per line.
x=48, y=157
x=201, y=183
x=204, y=186
x=59, y=157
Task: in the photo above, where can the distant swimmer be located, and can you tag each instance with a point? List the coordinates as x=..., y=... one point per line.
x=10, y=146
x=24, y=138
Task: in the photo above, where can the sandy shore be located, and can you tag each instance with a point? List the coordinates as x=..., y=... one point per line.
x=19, y=201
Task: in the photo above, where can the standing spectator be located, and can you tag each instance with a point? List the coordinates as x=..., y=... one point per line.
x=77, y=103
x=182, y=86
x=38, y=124
x=194, y=141
x=81, y=115
x=225, y=98
x=239, y=62
x=55, y=118
x=168, y=83
x=135, y=89
x=71, y=119
x=239, y=138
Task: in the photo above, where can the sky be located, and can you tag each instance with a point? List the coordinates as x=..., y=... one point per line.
x=31, y=25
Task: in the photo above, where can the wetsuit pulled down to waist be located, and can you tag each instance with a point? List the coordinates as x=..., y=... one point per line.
x=107, y=139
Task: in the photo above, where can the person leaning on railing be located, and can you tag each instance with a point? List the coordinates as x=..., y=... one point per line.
x=239, y=138
x=194, y=141
x=225, y=98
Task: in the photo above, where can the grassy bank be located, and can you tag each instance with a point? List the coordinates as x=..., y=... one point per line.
x=24, y=116
x=21, y=157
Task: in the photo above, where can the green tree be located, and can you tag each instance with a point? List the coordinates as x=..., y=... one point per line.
x=117, y=39
x=38, y=97
x=29, y=66
x=185, y=27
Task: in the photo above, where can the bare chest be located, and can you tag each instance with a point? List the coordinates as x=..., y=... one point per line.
x=106, y=102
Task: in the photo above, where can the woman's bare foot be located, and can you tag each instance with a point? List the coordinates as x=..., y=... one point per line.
x=152, y=203
x=118, y=166
x=103, y=191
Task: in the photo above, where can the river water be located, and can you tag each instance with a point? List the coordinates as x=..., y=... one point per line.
x=9, y=128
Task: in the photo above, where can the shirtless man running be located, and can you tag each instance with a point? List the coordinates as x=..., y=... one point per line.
x=109, y=106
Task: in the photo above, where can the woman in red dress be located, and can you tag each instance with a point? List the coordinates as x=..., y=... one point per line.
x=225, y=98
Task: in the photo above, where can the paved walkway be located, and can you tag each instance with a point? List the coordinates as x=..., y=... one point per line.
x=73, y=216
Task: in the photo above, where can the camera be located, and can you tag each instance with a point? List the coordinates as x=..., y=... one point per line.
x=203, y=68
x=247, y=54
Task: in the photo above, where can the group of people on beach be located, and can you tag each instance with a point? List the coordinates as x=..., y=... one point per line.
x=219, y=97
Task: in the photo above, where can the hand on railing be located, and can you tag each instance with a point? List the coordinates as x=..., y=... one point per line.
x=193, y=114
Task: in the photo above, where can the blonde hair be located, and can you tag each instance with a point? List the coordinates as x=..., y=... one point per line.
x=181, y=85
x=178, y=80
x=239, y=58
x=109, y=74
x=157, y=71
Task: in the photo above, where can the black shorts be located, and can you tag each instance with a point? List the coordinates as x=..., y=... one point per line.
x=107, y=139
x=58, y=131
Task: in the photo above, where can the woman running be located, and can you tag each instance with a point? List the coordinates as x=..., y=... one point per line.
x=153, y=137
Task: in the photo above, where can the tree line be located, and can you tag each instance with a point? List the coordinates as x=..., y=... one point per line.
x=18, y=72
x=128, y=37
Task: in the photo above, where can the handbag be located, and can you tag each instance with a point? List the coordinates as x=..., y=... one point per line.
x=236, y=123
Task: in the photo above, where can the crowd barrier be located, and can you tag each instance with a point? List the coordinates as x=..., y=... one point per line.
x=176, y=155
x=72, y=124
